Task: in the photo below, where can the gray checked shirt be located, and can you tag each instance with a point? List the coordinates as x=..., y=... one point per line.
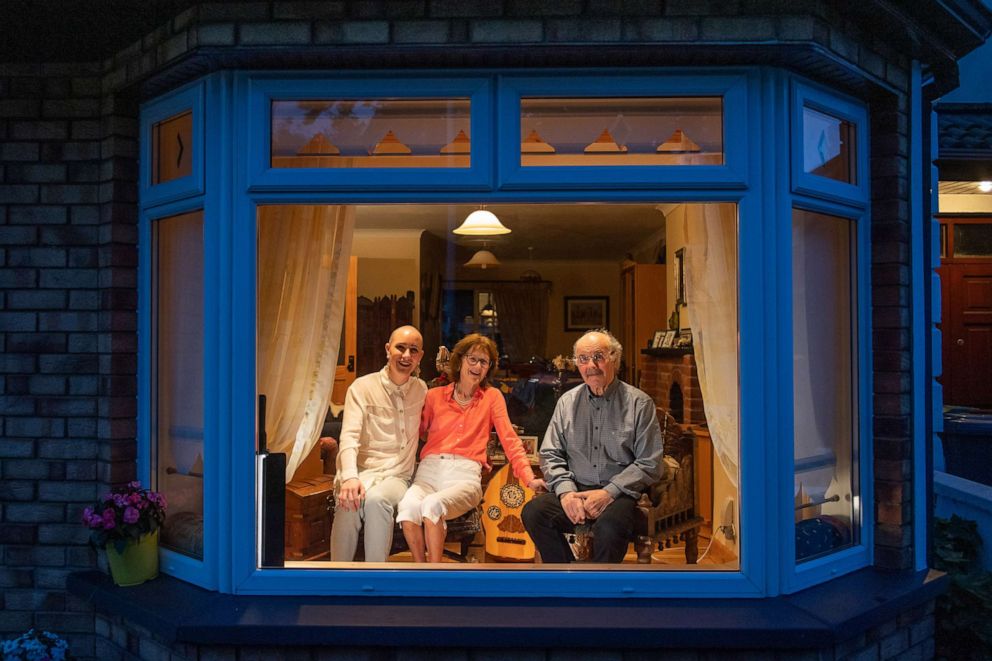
x=612, y=442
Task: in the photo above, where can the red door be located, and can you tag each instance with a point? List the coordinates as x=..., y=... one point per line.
x=966, y=290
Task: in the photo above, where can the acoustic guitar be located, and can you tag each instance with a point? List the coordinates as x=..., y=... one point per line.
x=504, y=499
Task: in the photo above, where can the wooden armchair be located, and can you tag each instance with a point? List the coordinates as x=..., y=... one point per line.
x=666, y=513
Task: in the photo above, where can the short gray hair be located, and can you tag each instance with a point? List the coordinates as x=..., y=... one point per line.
x=616, y=349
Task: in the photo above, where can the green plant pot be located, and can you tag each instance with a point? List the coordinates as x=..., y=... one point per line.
x=137, y=564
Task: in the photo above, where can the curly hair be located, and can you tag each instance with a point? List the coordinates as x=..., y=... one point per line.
x=466, y=344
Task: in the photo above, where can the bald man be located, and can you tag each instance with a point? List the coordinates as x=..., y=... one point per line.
x=378, y=449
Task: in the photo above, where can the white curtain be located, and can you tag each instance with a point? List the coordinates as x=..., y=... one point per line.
x=523, y=318
x=710, y=232
x=303, y=254
x=822, y=353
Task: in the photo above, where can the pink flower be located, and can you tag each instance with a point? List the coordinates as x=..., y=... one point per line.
x=109, y=524
x=134, y=485
x=130, y=515
x=87, y=513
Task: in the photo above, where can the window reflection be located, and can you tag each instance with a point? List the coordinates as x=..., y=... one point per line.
x=829, y=148
x=826, y=487
x=371, y=133
x=621, y=131
x=177, y=377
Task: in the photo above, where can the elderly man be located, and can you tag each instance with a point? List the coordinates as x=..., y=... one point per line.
x=378, y=449
x=601, y=451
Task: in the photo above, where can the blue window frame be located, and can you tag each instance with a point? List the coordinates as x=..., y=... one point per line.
x=730, y=86
x=187, y=100
x=835, y=201
x=756, y=138
x=823, y=164
x=260, y=91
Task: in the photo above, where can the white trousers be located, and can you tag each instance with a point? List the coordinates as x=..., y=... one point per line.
x=376, y=513
x=445, y=487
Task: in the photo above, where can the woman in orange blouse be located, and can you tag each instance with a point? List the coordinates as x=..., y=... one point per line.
x=457, y=420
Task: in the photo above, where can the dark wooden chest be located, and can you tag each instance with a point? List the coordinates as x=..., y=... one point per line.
x=308, y=518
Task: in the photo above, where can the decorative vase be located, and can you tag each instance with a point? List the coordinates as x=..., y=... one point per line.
x=137, y=563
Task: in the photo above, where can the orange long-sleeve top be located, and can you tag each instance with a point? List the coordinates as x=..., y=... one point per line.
x=450, y=429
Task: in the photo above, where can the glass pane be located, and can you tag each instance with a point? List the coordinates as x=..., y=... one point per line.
x=373, y=133
x=172, y=148
x=826, y=489
x=828, y=146
x=973, y=239
x=177, y=377
x=621, y=131
x=411, y=268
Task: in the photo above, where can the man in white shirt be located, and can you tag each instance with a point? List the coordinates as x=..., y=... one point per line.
x=377, y=449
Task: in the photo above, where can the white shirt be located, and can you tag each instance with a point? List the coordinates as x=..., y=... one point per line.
x=380, y=429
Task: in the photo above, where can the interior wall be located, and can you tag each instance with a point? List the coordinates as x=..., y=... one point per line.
x=382, y=277
x=568, y=278
x=379, y=252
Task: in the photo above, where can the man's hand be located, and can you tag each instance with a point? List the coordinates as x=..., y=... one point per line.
x=351, y=494
x=537, y=485
x=595, y=501
x=574, y=507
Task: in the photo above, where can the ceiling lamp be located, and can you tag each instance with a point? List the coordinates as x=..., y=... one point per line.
x=481, y=223
x=530, y=275
x=985, y=186
x=483, y=259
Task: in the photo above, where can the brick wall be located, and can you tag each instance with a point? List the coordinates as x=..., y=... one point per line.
x=67, y=358
x=909, y=637
x=68, y=238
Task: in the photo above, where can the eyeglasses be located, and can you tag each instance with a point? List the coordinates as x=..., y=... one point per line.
x=475, y=360
x=597, y=357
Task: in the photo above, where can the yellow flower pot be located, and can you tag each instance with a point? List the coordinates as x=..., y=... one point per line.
x=137, y=564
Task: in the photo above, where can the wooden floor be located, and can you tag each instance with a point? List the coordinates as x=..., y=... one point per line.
x=673, y=557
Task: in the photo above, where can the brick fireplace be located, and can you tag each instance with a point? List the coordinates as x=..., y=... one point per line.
x=669, y=376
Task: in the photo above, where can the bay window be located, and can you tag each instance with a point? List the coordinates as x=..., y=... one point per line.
x=640, y=203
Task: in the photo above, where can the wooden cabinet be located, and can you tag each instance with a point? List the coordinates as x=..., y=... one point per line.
x=644, y=310
x=308, y=518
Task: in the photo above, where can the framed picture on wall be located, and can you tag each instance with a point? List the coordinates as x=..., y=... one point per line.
x=585, y=312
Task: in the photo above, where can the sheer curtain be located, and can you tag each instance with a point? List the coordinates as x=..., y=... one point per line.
x=523, y=318
x=710, y=231
x=303, y=253
x=822, y=353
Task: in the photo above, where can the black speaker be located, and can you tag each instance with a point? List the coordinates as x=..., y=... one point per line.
x=273, y=497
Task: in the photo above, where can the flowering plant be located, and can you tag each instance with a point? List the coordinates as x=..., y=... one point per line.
x=124, y=514
x=35, y=646
x=563, y=363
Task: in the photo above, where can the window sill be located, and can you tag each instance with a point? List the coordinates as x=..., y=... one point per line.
x=823, y=615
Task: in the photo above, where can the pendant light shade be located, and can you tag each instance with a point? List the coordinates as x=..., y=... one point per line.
x=483, y=259
x=481, y=223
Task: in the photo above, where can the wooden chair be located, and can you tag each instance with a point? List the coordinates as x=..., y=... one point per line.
x=666, y=512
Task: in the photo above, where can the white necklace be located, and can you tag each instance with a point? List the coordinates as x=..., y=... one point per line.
x=462, y=399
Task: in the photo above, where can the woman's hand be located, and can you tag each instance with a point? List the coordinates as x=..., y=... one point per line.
x=537, y=485
x=351, y=495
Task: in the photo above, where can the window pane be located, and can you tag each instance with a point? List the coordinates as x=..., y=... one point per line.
x=828, y=146
x=621, y=131
x=562, y=268
x=177, y=377
x=172, y=148
x=973, y=239
x=826, y=489
x=371, y=133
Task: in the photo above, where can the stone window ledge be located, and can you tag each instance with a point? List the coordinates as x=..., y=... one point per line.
x=838, y=610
